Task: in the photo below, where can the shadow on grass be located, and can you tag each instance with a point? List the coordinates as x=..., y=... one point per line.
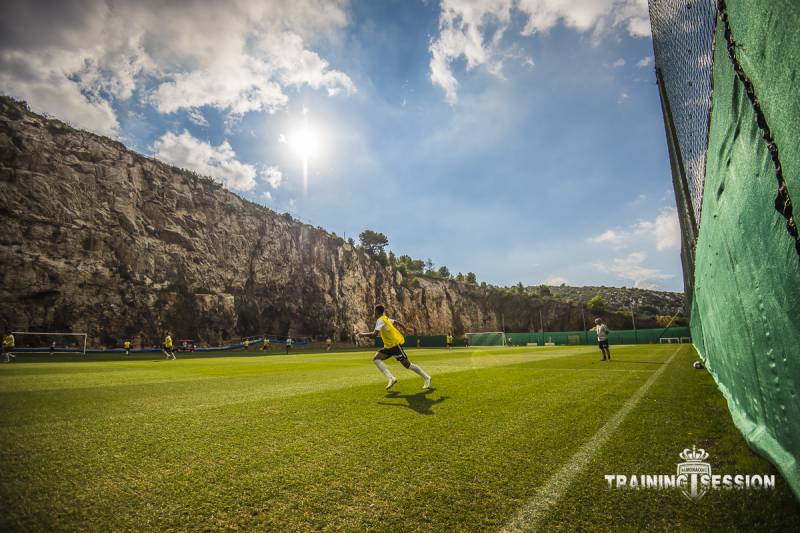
x=419, y=402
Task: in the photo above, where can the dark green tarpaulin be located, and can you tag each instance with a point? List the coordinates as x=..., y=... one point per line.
x=746, y=302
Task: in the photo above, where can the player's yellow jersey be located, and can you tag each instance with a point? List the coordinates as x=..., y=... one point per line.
x=8, y=341
x=127, y=345
x=246, y=343
x=168, y=342
x=390, y=335
x=449, y=339
x=266, y=342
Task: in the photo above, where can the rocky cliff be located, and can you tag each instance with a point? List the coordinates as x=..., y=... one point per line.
x=99, y=239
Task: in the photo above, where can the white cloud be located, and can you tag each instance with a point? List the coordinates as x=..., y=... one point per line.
x=665, y=229
x=266, y=195
x=555, y=280
x=609, y=236
x=74, y=59
x=297, y=66
x=462, y=24
x=585, y=15
x=663, y=232
x=474, y=29
x=623, y=97
x=219, y=162
x=272, y=176
x=237, y=88
x=632, y=267
x=197, y=118
x=646, y=61
x=44, y=86
x=618, y=63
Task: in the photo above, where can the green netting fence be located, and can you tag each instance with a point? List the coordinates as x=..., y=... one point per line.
x=558, y=338
x=744, y=258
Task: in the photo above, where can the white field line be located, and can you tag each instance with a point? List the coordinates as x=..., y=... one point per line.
x=550, y=493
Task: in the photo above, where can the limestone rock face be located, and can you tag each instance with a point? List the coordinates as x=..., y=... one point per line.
x=96, y=238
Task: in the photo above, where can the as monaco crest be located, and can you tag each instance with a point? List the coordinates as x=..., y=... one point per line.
x=694, y=473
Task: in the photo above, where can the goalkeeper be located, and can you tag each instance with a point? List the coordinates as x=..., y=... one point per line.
x=392, y=347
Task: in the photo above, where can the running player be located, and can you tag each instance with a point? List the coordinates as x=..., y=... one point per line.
x=289, y=343
x=328, y=343
x=265, y=345
x=8, y=347
x=449, y=341
x=127, y=346
x=602, y=338
x=168, y=347
x=246, y=344
x=392, y=347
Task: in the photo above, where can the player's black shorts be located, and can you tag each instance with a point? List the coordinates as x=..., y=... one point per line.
x=395, y=351
x=449, y=344
x=603, y=344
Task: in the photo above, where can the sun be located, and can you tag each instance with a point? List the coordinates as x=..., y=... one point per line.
x=305, y=141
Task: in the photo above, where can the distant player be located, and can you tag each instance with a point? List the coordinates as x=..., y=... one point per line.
x=289, y=343
x=466, y=341
x=8, y=347
x=167, y=349
x=246, y=344
x=52, y=347
x=602, y=338
x=265, y=345
x=328, y=344
x=392, y=347
x=449, y=341
x=127, y=346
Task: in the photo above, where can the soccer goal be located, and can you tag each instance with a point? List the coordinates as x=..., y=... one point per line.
x=675, y=340
x=47, y=342
x=489, y=338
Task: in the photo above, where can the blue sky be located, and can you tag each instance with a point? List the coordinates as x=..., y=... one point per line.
x=518, y=139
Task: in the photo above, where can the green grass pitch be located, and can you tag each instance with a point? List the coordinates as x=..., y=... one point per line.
x=313, y=441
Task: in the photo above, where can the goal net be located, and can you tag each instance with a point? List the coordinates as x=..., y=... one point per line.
x=490, y=338
x=46, y=342
x=674, y=340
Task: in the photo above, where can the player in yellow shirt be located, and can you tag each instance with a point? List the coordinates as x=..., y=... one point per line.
x=168, y=347
x=246, y=344
x=127, y=346
x=393, y=341
x=8, y=347
x=449, y=341
x=265, y=344
x=328, y=344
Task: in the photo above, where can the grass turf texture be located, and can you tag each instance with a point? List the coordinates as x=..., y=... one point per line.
x=313, y=441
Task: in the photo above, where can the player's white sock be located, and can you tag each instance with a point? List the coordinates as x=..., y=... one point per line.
x=383, y=368
x=417, y=370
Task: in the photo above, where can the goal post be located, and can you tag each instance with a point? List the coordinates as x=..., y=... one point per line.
x=489, y=338
x=45, y=342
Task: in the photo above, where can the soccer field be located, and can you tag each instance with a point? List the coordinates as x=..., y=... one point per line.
x=507, y=437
